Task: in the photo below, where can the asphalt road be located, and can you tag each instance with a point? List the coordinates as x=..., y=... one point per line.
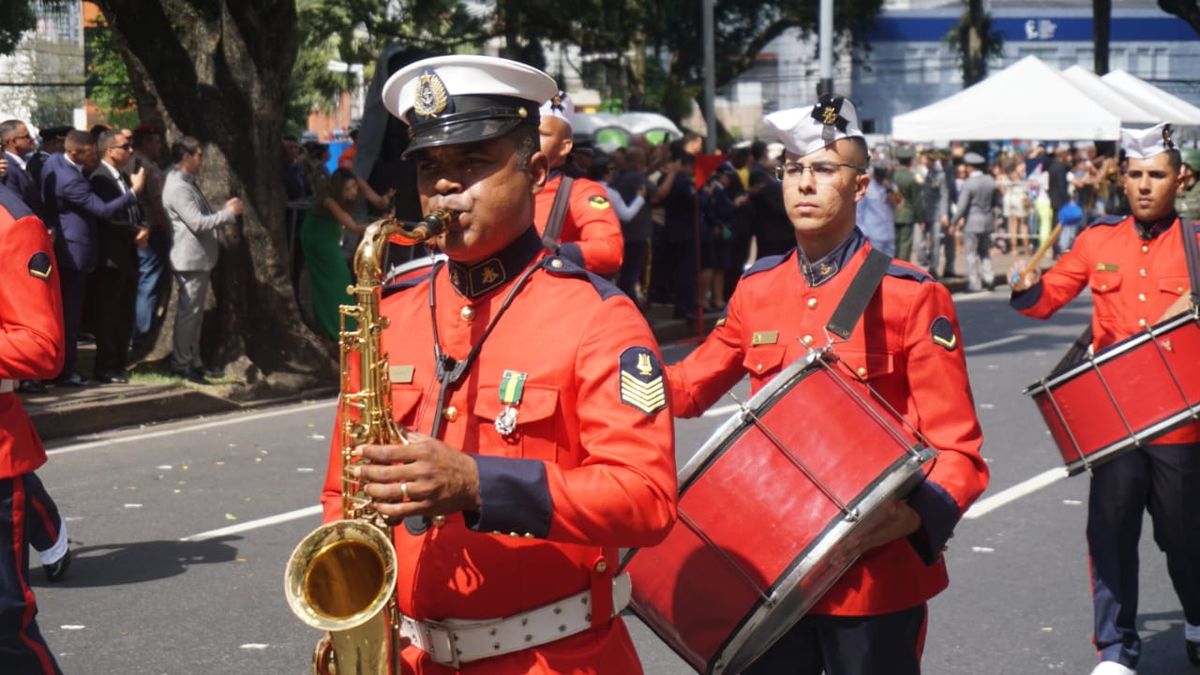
x=155, y=591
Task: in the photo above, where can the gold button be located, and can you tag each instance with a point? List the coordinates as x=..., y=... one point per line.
x=812, y=303
x=450, y=413
x=1141, y=322
x=1179, y=289
x=1145, y=248
x=759, y=367
x=513, y=534
x=601, y=567
x=1104, y=287
x=467, y=314
x=862, y=372
x=1141, y=297
x=529, y=535
x=556, y=263
x=807, y=340
x=1142, y=272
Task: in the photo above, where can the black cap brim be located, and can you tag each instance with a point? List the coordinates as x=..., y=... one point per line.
x=450, y=132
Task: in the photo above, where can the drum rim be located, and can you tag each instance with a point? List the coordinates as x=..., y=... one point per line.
x=904, y=475
x=731, y=655
x=1114, y=450
x=1113, y=351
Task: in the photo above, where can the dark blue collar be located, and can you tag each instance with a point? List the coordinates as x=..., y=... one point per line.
x=820, y=271
x=1148, y=231
x=474, y=280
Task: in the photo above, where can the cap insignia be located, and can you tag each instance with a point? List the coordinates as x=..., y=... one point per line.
x=431, y=96
x=556, y=102
x=828, y=111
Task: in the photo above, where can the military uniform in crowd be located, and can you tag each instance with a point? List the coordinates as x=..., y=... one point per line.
x=1187, y=203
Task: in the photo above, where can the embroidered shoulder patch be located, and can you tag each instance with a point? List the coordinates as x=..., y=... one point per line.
x=942, y=332
x=598, y=202
x=40, y=266
x=642, y=383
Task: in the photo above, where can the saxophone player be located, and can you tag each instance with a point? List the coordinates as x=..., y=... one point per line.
x=539, y=439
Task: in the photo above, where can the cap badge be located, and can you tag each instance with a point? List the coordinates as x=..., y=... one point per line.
x=556, y=103
x=828, y=111
x=431, y=96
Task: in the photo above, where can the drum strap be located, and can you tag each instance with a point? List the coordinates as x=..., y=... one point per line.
x=558, y=213
x=858, y=295
x=1191, y=250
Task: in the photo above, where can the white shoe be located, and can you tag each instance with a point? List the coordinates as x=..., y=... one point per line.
x=1112, y=668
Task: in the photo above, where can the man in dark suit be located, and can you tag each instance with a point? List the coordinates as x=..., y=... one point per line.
x=73, y=212
x=53, y=140
x=112, y=288
x=17, y=144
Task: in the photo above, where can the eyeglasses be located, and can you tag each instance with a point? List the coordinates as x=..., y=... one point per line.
x=126, y=146
x=821, y=171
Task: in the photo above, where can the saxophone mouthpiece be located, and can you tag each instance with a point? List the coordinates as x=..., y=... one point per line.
x=426, y=228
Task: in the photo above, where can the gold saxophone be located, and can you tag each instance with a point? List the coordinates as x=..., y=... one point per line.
x=342, y=577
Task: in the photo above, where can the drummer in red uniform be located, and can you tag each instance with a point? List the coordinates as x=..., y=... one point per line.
x=907, y=346
x=589, y=233
x=1136, y=268
x=529, y=387
x=31, y=348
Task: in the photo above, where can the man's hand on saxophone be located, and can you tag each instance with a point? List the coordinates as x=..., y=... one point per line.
x=426, y=477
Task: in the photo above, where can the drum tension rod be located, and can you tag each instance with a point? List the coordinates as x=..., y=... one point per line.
x=851, y=514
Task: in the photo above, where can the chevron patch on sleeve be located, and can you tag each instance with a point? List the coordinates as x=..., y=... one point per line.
x=642, y=383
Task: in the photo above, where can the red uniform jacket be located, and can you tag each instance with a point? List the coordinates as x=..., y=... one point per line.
x=1133, y=280
x=590, y=467
x=906, y=346
x=591, y=234
x=31, y=326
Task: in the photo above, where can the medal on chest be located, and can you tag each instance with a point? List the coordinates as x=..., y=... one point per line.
x=512, y=386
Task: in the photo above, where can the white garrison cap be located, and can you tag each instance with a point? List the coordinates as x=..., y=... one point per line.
x=560, y=106
x=1146, y=143
x=806, y=130
x=462, y=99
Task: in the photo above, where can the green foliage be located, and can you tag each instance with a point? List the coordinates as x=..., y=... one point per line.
x=16, y=17
x=108, y=84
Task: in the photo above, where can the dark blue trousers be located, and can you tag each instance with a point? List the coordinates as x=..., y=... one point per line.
x=1165, y=480
x=152, y=263
x=23, y=651
x=74, y=285
x=885, y=644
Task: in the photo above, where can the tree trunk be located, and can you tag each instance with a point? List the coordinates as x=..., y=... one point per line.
x=974, y=55
x=219, y=71
x=1101, y=30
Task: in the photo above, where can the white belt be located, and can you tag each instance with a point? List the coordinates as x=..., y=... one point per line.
x=8, y=386
x=453, y=642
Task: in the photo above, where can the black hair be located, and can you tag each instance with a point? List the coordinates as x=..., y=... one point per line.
x=184, y=147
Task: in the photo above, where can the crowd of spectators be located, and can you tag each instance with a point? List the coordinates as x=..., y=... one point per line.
x=118, y=215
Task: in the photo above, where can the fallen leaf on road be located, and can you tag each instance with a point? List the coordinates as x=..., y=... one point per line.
x=230, y=516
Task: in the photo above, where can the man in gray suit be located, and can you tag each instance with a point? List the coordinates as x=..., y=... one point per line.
x=194, y=225
x=977, y=204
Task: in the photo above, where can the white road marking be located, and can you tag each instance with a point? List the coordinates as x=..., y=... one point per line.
x=233, y=418
x=256, y=524
x=722, y=411
x=995, y=343
x=1012, y=494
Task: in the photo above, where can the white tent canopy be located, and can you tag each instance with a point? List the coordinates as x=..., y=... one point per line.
x=1165, y=106
x=1026, y=100
x=1128, y=109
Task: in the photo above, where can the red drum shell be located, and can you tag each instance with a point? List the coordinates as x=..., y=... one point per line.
x=1130, y=393
x=757, y=542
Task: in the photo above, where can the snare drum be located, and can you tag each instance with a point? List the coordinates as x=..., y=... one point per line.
x=767, y=509
x=1125, y=396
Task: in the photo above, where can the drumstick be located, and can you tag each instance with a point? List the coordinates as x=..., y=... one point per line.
x=1042, y=250
x=1181, y=305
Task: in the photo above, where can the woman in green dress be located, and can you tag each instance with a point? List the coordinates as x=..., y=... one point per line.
x=321, y=240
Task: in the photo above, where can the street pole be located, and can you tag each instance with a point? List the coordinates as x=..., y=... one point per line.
x=710, y=80
x=825, y=49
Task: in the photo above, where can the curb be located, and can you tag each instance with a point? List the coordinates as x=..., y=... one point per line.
x=65, y=420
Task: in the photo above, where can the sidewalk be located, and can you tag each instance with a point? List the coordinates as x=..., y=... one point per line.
x=68, y=411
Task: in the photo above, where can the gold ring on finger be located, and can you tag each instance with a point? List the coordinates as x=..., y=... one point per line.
x=404, y=492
